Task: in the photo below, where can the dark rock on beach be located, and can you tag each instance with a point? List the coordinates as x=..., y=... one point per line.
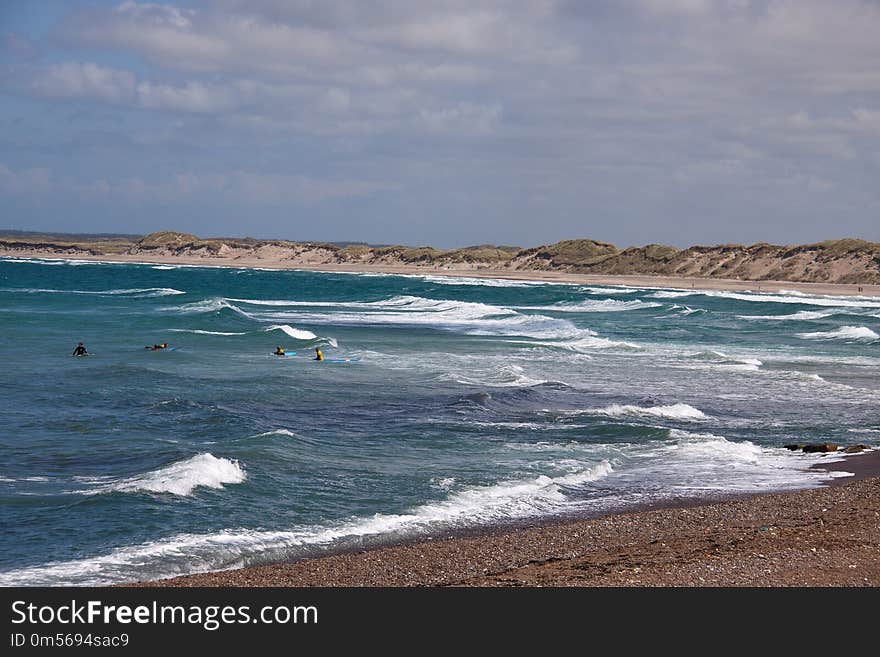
x=821, y=447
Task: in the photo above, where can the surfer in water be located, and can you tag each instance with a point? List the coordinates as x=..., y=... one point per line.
x=318, y=354
x=279, y=351
x=157, y=347
x=80, y=350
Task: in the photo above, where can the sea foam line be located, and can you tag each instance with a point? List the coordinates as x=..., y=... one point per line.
x=136, y=293
x=192, y=553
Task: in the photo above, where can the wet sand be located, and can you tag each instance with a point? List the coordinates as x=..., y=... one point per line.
x=827, y=536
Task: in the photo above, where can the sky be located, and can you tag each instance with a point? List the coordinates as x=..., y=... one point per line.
x=444, y=123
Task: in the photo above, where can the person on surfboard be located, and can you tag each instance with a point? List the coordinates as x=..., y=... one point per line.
x=80, y=350
x=318, y=354
x=279, y=351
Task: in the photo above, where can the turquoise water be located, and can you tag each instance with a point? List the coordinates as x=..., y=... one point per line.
x=474, y=403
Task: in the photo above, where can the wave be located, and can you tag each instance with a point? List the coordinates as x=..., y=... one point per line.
x=31, y=261
x=485, y=282
x=208, y=306
x=610, y=290
x=595, y=306
x=687, y=310
x=192, y=553
x=297, y=334
x=803, y=316
x=721, y=357
x=845, y=333
x=672, y=294
x=503, y=376
x=672, y=412
x=201, y=332
x=181, y=478
x=593, y=342
x=138, y=293
x=442, y=314
x=277, y=432
x=800, y=298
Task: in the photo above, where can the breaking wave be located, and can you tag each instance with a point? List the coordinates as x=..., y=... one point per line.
x=181, y=478
x=844, y=333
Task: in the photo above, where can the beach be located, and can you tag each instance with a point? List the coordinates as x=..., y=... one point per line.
x=494, y=433
x=464, y=270
x=814, y=538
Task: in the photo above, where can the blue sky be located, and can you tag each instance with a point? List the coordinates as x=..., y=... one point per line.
x=446, y=123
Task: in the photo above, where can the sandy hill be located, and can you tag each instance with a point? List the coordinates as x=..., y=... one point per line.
x=849, y=261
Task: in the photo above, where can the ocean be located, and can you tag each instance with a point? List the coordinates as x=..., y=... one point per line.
x=470, y=404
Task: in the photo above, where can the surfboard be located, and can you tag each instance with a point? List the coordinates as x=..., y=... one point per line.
x=340, y=360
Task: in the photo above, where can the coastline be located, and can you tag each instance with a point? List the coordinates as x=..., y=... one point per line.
x=820, y=537
x=828, y=536
x=533, y=275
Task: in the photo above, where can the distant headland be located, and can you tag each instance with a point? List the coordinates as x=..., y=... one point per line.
x=839, y=262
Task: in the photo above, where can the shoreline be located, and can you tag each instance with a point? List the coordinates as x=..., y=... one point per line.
x=827, y=536
x=533, y=275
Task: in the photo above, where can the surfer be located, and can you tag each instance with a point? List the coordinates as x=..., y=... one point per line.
x=157, y=347
x=279, y=351
x=80, y=350
x=318, y=354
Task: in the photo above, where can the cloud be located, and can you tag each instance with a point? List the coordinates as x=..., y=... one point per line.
x=85, y=81
x=463, y=118
x=235, y=186
x=190, y=97
x=627, y=109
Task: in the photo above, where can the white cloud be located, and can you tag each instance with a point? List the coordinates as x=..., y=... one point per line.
x=191, y=97
x=86, y=81
x=463, y=118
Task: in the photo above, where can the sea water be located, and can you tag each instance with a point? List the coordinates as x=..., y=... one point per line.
x=474, y=403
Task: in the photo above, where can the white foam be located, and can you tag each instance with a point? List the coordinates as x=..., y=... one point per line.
x=207, y=306
x=804, y=315
x=297, y=334
x=486, y=282
x=181, y=478
x=810, y=300
x=687, y=310
x=595, y=306
x=672, y=294
x=192, y=553
x=277, y=432
x=845, y=333
x=502, y=376
x=610, y=290
x=720, y=357
x=201, y=332
x=442, y=314
x=673, y=412
x=136, y=293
